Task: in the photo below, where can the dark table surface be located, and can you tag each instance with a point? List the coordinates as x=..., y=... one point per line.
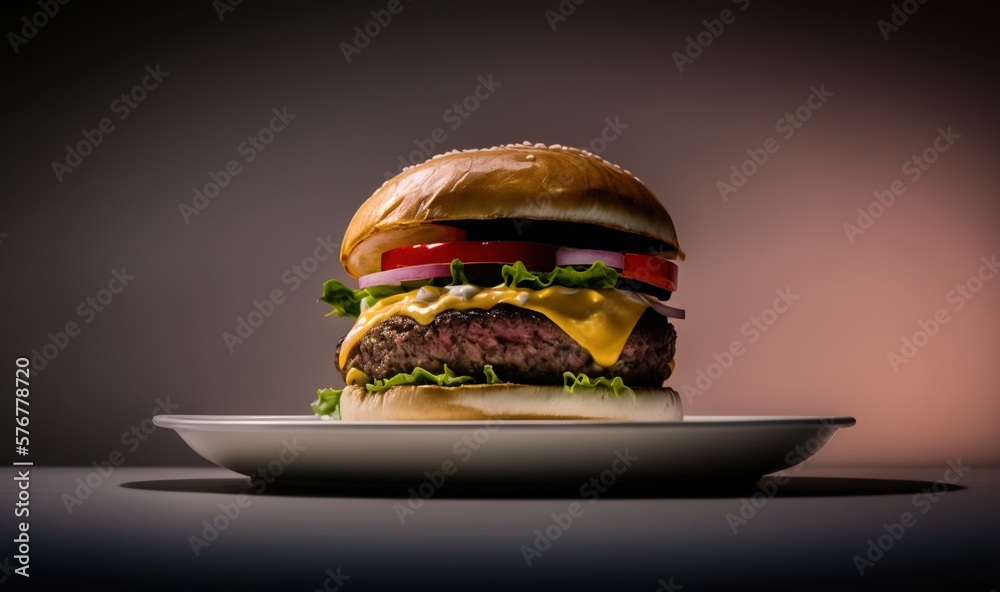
x=813, y=530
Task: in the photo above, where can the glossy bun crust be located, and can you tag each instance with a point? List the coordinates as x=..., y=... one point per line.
x=516, y=181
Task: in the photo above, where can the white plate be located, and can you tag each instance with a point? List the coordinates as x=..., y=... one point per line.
x=306, y=448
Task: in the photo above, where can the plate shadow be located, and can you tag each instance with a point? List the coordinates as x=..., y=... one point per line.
x=786, y=487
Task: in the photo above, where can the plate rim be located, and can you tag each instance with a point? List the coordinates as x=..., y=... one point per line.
x=313, y=422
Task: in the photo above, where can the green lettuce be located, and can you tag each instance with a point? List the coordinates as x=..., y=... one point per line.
x=420, y=376
x=491, y=376
x=327, y=402
x=597, y=276
x=458, y=273
x=347, y=302
x=574, y=381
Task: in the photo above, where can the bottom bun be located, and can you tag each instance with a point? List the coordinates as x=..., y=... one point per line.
x=507, y=401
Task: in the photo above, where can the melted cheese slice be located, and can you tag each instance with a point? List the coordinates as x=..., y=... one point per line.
x=599, y=320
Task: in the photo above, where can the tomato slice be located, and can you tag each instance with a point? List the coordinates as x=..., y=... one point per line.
x=533, y=255
x=650, y=270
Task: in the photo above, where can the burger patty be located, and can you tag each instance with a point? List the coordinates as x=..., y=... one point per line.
x=522, y=346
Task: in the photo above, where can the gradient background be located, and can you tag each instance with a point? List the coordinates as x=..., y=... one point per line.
x=162, y=337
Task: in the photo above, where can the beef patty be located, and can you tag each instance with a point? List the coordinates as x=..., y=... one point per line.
x=523, y=347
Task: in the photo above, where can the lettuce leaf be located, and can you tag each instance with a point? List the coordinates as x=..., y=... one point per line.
x=347, y=302
x=327, y=402
x=597, y=276
x=491, y=376
x=458, y=273
x=573, y=381
x=420, y=376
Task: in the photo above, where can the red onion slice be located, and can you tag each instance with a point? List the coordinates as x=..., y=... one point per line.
x=394, y=277
x=667, y=311
x=589, y=256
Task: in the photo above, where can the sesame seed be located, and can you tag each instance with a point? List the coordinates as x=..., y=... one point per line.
x=529, y=157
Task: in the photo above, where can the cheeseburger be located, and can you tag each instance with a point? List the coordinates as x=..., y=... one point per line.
x=517, y=282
